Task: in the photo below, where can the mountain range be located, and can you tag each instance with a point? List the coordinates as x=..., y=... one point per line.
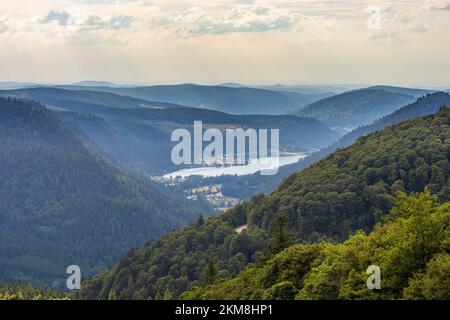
x=428, y=104
x=352, y=109
x=349, y=190
x=62, y=203
x=136, y=133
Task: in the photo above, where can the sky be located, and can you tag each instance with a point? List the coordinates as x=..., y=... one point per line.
x=402, y=42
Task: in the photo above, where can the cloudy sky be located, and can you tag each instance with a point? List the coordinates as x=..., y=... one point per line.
x=404, y=42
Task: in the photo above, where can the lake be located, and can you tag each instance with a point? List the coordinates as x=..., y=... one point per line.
x=254, y=166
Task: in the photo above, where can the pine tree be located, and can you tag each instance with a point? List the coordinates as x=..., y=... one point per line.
x=112, y=295
x=281, y=237
x=210, y=274
x=168, y=295
x=201, y=220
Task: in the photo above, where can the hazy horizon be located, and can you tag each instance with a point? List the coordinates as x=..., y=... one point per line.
x=146, y=42
x=343, y=86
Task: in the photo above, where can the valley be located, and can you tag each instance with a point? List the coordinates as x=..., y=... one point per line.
x=225, y=158
x=316, y=200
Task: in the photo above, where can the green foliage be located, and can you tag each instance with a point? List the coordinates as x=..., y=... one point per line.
x=18, y=291
x=350, y=190
x=195, y=255
x=63, y=204
x=210, y=274
x=411, y=248
x=434, y=282
x=347, y=191
x=281, y=291
x=280, y=237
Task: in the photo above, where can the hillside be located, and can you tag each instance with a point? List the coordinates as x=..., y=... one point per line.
x=411, y=249
x=356, y=108
x=136, y=133
x=61, y=99
x=234, y=100
x=140, y=139
x=347, y=191
x=428, y=104
x=63, y=204
x=17, y=291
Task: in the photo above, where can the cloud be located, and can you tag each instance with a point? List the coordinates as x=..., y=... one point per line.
x=80, y=27
x=197, y=21
x=440, y=5
x=395, y=22
x=3, y=25
x=109, y=1
x=94, y=22
x=62, y=18
x=88, y=22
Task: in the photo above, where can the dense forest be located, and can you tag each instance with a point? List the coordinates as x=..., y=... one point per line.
x=235, y=100
x=424, y=105
x=411, y=247
x=253, y=184
x=62, y=204
x=137, y=134
x=351, y=109
x=17, y=291
x=350, y=190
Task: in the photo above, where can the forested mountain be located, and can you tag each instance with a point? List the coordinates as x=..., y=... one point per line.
x=299, y=95
x=410, y=247
x=17, y=291
x=62, y=99
x=62, y=204
x=136, y=133
x=10, y=85
x=356, y=108
x=428, y=104
x=347, y=191
x=88, y=83
x=234, y=100
x=401, y=90
x=302, y=99
x=314, y=89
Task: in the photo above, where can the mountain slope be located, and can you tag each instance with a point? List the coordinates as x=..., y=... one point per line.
x=136, y=133
x=401, y=90
x=234, y=100
x=254, y=184
x=63, y=204
x=409, y=249
x=62, y=99
x=428, y=104
x=356, y=108
x=345, y=191
x=331, y=199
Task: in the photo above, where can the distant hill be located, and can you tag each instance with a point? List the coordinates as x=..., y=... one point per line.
x=62, y=99
x=426, y=105
x=94, y=84
x=401, y=90
x=61, y=203
x=314, y=89
x=140, y=138
x=356, y=108
x=10, y=85
x=136, y=133
x=349, y=190
x=302, y=99
x=234, y=100
x=300, y=96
